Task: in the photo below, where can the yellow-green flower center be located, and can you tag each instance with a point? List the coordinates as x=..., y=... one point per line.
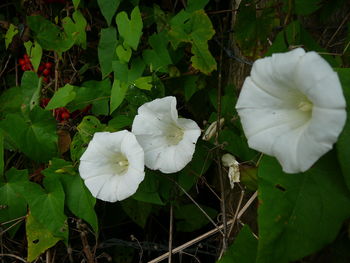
x=305, y=105
x=174, y=134
x=120, y=164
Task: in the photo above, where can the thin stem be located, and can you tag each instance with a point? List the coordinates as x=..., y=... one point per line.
x=170, y=233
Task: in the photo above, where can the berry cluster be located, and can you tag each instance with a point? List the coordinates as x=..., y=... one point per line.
x=25, y=63
x=62, y=114
x=43, y=70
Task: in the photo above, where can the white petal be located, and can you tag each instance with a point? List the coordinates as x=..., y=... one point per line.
x=292, y=107
x=101, y=170
x=164, y=108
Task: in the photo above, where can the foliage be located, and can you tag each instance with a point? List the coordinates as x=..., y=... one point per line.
x=94, y=63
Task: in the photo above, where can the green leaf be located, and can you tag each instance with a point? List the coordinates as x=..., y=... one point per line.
x=303, y=7
x=194, y=5
x=11, y=101
x=243, y=250
x=36, y=136
x=123, y=53
x=299, y=213
x=92, y=92
x=144, y=83
x=148, y=189
x=76, y=3
x=130, y=29
x=106, y=49
x=119, y=122
x=48, y=35
x=343, y=143
x=12, y=202
x=1, y=154
x=35, y=53
x=10, y=33
x=86, y=129
x=47, y=206
x=30, y=89
x=190, y=86
x=77, y=197
x=137, y=211
x=108, y=8
x=76, y=29
x=39, y=238
x=158, y=57
x=118, y=94
x=190, y=218
x=61, y=97
x=236, y=145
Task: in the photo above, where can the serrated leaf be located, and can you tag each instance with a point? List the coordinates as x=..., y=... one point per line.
x=12, y=202
x=202, y=58
x=61, y=97
x=77, y=197
x=36, y=136
x=299, y=213
x=10, y=33
x=123, y=53
x=108, y=8
x=39, y=238
x=106, y=47
x=243, y=250
x=130, y=29
x=47, y=206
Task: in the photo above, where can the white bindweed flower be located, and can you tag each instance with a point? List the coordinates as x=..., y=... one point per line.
x=112, y=165
x=228, y=160
x=292, y=107
x=168, y=141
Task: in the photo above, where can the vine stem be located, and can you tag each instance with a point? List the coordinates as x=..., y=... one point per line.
x=207, y=234
x=221, y=179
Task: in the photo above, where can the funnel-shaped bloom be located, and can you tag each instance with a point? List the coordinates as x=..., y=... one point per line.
x=292, y=107
x=168, y=141
x=113, y=165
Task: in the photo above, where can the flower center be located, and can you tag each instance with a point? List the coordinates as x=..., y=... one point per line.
x=120, y=164
x=305, y=105
x=174, y=134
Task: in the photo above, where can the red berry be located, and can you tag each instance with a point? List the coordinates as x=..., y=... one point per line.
x=24, y=67
x=21, y=61
x=46, y=79
x=44, y=102
x=48, y=65
x=41, y=68
x=26, y=58
x=65, y=115
x=46, y=72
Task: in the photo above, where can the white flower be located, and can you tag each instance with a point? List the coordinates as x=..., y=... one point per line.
x=113, y=165
x=168, y=141
x=292, y=107
x=228, y=160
